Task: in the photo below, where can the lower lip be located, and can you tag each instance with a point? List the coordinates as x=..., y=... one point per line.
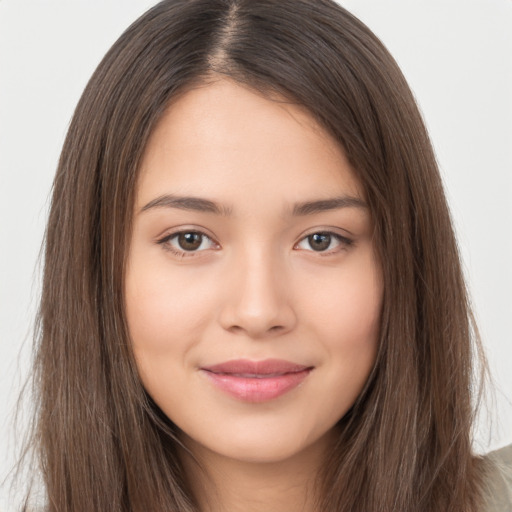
x=257, y=390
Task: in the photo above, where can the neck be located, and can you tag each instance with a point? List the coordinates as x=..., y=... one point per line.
x=223, y=484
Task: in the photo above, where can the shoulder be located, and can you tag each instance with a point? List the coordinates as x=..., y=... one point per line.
x=498, y=481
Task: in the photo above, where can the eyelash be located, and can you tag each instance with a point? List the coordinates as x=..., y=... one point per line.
x=344, y=242
x=166, y=242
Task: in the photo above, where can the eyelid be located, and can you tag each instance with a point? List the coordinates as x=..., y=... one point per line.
x=344, y=241
x=165, y=241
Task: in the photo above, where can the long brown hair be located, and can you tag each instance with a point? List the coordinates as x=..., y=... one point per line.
x=102, y=443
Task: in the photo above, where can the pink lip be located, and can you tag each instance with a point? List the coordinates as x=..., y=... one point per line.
x=256, y=381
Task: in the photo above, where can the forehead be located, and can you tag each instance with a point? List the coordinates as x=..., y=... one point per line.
x=230, y=142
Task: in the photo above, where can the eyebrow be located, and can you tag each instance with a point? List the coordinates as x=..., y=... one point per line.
x=200, y=204
x=322, y=205
x=197, y=204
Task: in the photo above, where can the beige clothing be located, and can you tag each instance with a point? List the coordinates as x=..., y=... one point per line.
x=499, y=481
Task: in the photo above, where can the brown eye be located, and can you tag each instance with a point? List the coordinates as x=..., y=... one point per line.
x=325, y=241
x=319, y=241
x=189, y=241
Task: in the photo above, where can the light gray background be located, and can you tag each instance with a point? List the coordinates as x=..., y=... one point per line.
x=457, y=56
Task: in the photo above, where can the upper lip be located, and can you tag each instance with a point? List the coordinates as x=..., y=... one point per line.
x=246, y=367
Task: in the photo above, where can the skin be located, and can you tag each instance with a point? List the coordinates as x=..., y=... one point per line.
x=255, y=288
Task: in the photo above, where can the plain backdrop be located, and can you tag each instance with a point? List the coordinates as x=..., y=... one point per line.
x=457, y=56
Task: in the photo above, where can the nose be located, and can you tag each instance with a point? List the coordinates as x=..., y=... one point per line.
x=257, y=299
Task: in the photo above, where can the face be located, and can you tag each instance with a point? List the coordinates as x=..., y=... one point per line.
x=253, y=292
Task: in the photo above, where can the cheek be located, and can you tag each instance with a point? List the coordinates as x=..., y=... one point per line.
x=345, y=315
x=165, y=321
x=347, y=304
x=165, y=316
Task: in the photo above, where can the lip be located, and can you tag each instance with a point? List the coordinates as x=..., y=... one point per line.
x=256, y=381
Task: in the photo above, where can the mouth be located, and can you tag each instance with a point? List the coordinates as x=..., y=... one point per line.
x=256, y=381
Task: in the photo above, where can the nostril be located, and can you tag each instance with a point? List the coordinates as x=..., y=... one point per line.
x=274, y=329
x=257, y=314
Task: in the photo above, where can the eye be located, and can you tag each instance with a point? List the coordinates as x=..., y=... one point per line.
x=186, y=243
x=324, y=241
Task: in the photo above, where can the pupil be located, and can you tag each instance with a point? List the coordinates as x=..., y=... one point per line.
x=319, y=241
x=189, y=241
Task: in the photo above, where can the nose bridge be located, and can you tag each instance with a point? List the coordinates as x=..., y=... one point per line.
x=258, y=300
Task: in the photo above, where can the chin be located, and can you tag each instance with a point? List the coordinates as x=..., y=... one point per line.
x=264, y=446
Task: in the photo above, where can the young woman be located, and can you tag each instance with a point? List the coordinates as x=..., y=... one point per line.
x=252, y=295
